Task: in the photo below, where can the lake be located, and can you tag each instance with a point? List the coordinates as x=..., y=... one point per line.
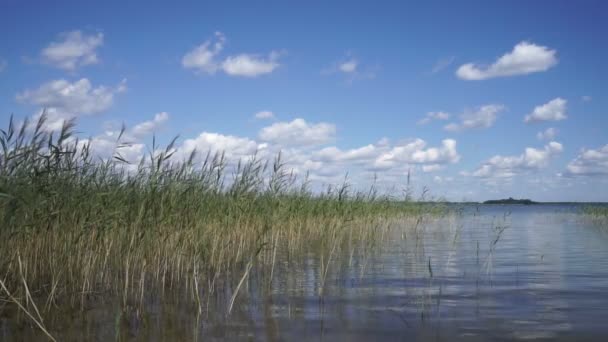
x=489, y=272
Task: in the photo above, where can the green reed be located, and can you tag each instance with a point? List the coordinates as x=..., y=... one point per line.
x=74, y=227
x=597, y=213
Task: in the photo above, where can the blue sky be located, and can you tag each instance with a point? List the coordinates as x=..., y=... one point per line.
x=442, y=89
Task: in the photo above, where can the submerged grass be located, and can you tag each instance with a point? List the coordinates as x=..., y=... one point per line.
x=74, y=228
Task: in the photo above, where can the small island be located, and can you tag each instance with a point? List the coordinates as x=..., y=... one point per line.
x=511, y=200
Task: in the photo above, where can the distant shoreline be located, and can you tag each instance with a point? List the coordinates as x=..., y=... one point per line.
x=511, y=200
x=494, y=202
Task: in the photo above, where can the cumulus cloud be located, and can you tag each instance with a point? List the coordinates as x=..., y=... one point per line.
x=415, y=152
x=64, y=100
x=548, y=134
x=525, y=58
x=147, y=127
x=298, y=142
x=106, y=146
x=361, y=154
x=204, y=59
x=54, y=119
x=483, y=117
x=263, y=115
x=509, y=166
x=73, y=50
x=439, y=179
x=432, y=167
x=234, y=147
x=554, y=110
x=298, y=132
x=125, y=145
x=430, y=116
x=77, y=97
x=248, y=65
x=589, y=162
x=387, y=161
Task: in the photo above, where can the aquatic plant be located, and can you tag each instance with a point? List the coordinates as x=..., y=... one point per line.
x=597, y=213
x=596, y=210
x=76, y=228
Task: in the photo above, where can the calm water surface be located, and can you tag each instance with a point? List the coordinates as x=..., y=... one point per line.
x=491, y=273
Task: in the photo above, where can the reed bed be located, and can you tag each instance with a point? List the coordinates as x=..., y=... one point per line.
x=75, y=228
x=597, y=213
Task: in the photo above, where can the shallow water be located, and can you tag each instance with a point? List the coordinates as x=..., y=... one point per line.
x=491, y=273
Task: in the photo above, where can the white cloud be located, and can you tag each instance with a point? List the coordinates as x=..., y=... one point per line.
x=105, y=146
x=548, y=134
x=586, y=98
x=64, y=100
x=525, y=58
x=415, y=152
x=74, y=50
x=54, y=119
x=349, y=66
x=430, y=116
x=483, y=117
x=361, y=154
x=3, y=64
x=310, y=165
x=248, y=65
x=79, y=97
x=439, y=179
x=130, y=147
x=298, y=132
x=150, y=126
x=589, y=162
x=263, y=115
x=204, y=59
x=432, y=167
x=509, y=166
x=296, y=140
x=388, y=161
x=554, y=110
x=234, y=147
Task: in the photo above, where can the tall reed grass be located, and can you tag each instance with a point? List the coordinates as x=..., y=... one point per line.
x=596, y=210
x=75, y=228
x=597, y=213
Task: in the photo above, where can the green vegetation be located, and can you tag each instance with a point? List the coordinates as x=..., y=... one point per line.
x=598, y=213
x=510, y=200
x=75, y=228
